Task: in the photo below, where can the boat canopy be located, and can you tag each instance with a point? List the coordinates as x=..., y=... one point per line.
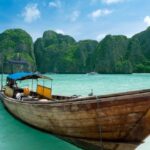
x=26, y=75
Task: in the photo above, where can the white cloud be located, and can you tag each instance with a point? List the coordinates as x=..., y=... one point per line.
x=31, y=13
x=74, y=16
x=60, y=31
x=100, y=12
x=100, y=37
x=112, y=1
x=147, y=20
x=55, y=4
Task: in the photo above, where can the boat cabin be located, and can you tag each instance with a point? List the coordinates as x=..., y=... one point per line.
x=42, y=92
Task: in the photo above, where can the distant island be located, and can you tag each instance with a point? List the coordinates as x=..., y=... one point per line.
x=57, y=53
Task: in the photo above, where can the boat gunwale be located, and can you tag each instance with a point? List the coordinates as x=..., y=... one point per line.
x=89, y=99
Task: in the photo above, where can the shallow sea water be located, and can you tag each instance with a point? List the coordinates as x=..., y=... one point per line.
x=14, y=135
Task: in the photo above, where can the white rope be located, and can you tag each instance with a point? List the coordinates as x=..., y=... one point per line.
x=99, y=127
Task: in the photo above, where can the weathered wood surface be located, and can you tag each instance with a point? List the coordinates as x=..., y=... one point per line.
x=122, y=118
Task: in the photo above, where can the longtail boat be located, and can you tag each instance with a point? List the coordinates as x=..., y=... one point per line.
x=109, y=122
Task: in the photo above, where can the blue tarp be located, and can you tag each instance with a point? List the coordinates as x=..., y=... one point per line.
x=26, y=75
x=20, y=75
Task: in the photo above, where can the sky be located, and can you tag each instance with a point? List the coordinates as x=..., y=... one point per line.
x=81, y=19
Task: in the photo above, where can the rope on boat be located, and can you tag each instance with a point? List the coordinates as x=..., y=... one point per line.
x=99, y=127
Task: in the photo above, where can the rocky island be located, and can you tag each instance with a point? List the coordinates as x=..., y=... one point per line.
x=60, y=53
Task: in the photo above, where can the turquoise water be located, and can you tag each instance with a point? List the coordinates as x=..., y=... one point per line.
x=14, y=135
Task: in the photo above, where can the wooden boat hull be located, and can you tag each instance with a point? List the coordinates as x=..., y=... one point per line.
x=117, y=121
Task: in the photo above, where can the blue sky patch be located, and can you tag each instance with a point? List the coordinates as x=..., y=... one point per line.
x=82, y=19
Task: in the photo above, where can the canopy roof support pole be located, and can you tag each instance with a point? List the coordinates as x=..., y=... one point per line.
x=1, y=73
x=43, y=87
x=32, y=85
x=51, y=84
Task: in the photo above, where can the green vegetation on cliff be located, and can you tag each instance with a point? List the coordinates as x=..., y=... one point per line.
x=16, y=44
x=139, y=51
x=62, y=54
x=53, y=52
x=110, y=55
